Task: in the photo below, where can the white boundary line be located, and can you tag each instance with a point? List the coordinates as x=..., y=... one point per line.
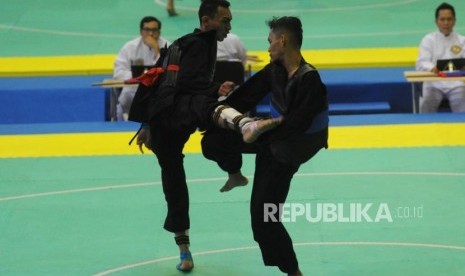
x=359, y=7
x=226, y=250
x=103, y=188
x=316, y=36
x=98, y=35
x=65, y=33
x=83, y=190
x=213, y=179
x=320, y=36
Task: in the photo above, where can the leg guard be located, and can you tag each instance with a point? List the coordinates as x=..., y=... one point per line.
x=182, y=239
x=227, y=117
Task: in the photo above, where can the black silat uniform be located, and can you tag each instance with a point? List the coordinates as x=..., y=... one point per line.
x=174, y=110
x=302, y=101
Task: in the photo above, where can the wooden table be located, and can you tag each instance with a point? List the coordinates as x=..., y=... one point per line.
x=111, y=83
x=415, y=77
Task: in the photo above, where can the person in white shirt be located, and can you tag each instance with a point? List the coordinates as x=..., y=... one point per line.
x=143, y=50
x=442, y=44
x=231, y=49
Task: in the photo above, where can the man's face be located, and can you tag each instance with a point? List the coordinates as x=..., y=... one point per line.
x=151, y=29
x=445, y=21
x=276, y=48
x=221, y=23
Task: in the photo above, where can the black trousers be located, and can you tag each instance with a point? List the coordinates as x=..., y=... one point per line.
x=225, y=147
x=271, y=185
x=167, y=144
x=170, y=130
x=272, y=180
x=275, y=165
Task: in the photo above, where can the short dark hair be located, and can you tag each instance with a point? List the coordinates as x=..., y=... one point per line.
x=148, y=19
x=210, y=7
x=290, y=25
x=444, y=6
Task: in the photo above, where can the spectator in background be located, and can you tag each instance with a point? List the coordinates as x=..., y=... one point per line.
x=144, y=50
x=442, y=44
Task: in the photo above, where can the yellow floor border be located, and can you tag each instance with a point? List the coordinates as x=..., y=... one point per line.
x=103, y=64
x=346, y=137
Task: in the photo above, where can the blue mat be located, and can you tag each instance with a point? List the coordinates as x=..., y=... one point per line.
x=52, y=99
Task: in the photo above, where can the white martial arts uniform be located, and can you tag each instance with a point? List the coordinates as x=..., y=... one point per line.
x=134, y=52
x=436, y=46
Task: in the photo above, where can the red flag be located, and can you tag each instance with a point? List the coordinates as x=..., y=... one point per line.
x=148, y=78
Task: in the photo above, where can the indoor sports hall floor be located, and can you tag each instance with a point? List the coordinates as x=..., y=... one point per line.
x=75, y=199
x=82, y=37
x=84, y=203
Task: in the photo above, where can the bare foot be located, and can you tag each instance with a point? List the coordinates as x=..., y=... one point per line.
x=252, y=130
x=186, y=264
x=234, y=180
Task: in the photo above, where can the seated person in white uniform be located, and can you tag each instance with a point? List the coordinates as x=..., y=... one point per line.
x=144, y=50
x=442, y=44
